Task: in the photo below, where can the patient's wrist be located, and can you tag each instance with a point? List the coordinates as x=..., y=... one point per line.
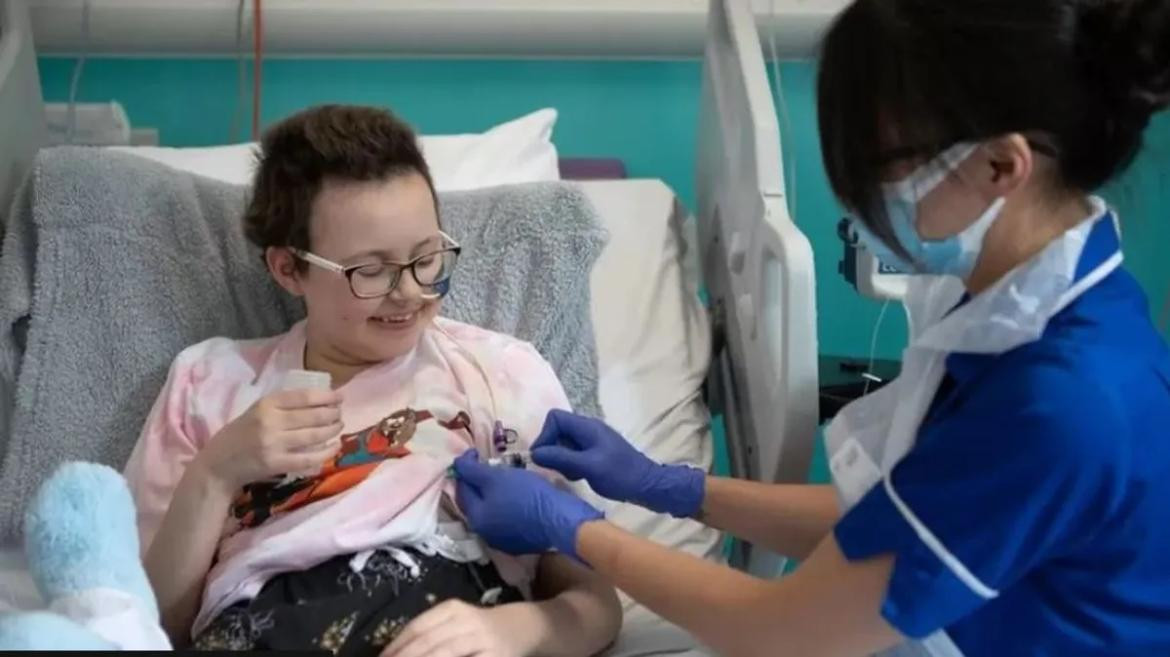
x=201, y=480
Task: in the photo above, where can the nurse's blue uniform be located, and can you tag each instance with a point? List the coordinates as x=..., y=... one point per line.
x=1028, y=507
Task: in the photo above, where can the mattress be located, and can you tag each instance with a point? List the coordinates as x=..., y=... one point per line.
x=653, y=349
x=653, y=346
x=653, y=339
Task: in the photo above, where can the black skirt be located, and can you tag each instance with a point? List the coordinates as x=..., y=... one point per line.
x=331, y=607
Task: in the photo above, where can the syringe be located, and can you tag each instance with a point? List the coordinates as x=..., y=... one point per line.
x=512, y=459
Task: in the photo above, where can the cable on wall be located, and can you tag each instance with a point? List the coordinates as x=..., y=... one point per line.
x=782, y=103
x=257, y=65
x=241, y=74
x=78, y=68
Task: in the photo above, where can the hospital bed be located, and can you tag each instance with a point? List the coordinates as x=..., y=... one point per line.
x=667, y=362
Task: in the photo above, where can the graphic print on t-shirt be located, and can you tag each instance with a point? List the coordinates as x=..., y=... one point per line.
x=360, y=454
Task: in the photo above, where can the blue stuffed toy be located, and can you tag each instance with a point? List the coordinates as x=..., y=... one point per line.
x=81, y=543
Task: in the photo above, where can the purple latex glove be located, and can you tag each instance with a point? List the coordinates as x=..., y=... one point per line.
x=517, y=511
x=583, y=448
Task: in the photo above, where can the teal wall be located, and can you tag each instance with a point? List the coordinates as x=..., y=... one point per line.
x=644, y=112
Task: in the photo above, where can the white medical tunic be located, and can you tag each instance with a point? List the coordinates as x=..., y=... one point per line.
x=1031, y=513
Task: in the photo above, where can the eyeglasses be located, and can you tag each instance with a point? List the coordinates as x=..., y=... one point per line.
x=372, y=280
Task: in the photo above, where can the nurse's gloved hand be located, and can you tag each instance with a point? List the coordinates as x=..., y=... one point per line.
x=517, y=511
x=583, y=448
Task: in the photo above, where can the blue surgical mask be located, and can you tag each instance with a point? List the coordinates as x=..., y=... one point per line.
x=955, y=255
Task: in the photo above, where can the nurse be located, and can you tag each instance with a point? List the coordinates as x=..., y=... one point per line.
x=1009, y=493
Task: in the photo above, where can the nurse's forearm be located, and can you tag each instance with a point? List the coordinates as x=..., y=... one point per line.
x=180, y=556
x=829, y=608
x=789, y=519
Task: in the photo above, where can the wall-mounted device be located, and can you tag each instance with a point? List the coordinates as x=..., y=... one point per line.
x=865, y=272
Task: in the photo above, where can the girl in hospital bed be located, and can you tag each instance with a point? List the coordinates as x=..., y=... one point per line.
x=278, y=518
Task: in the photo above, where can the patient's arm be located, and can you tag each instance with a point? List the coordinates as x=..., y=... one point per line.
x=578, y=612
x=180, y=556
x=790, y=519
x=576, y=615
x=181, y=509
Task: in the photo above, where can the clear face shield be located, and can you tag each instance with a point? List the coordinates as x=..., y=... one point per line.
x=955, y=255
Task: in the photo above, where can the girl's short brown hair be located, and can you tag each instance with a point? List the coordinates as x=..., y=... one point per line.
x=345, y=142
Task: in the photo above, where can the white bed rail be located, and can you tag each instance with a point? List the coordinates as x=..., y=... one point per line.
x=758, y=268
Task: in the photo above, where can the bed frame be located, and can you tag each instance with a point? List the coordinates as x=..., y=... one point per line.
x=758, y=268
x=757, y=265
x=22, y=122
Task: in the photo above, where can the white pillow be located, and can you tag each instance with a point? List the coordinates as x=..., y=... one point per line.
x=232, y=164
x=518, y=151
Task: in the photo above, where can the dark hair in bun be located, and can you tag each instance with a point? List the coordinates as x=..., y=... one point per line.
x=1126, y=44
x=1082, y=77
x=1132, y=40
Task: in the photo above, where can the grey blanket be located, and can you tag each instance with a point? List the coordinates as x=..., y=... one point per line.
x=113, y=264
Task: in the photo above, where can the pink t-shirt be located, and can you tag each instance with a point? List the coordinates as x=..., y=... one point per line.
x=370, y=495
